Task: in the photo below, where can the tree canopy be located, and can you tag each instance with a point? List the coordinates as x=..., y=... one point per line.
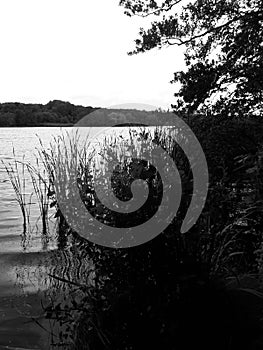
x=224, y=50
x=53, y=113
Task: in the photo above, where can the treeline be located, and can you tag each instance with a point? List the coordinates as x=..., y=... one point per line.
x=53, y=113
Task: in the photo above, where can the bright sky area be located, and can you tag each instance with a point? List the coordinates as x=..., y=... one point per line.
x=76, y=51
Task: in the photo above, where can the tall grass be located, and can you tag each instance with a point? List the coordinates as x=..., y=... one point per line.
x=67, y=161
x=218, y=243
x=16, y=174
x=23, y=175
x=41, y=190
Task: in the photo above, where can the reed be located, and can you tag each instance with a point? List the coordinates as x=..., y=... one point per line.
x=41, y=190
x=21, y=174
x=16, y=174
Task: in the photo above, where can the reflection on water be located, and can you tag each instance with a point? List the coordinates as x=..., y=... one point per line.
x=31, y=284
x=32, y=272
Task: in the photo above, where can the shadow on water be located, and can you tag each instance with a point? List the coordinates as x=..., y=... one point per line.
x=32, y=284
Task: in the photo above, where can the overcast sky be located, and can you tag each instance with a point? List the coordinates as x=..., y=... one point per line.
x=77, y=51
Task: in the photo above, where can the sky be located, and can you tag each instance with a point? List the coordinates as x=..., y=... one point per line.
x=76, y=51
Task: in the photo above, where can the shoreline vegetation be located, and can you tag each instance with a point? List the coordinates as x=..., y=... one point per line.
x=206, y=282
x=65, y=114
x=54, y=113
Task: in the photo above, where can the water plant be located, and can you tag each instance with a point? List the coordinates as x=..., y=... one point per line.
x=158, y=283
x=24, y=177
x=17, y=177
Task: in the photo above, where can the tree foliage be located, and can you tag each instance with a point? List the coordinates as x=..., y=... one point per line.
x=53, y=113
x=224, y=50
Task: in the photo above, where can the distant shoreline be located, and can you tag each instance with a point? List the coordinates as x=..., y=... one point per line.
x=39, y=126
x=54, y=113
x=79, y=126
